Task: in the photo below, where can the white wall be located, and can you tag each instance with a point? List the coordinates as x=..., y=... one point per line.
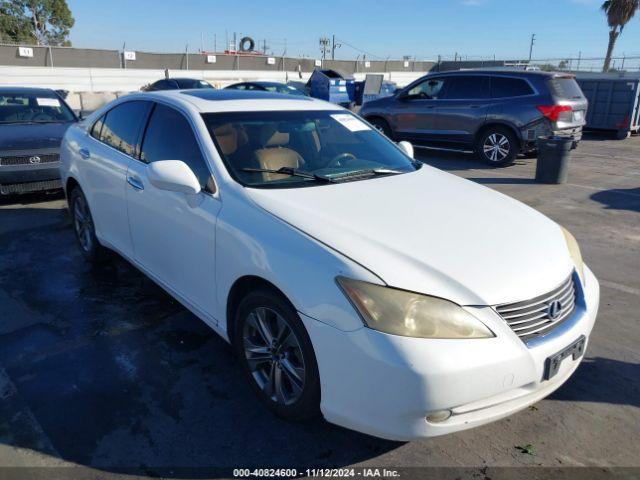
x=91, y=88
x=127, y=80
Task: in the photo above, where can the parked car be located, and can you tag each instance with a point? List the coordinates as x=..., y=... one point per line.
x=32, y=123
x=177, y=84
x=350, y=279
x=498, y=114
x=275, y=87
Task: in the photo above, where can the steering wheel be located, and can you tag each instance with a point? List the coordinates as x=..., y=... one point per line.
x=338, y=160
x=41, y=117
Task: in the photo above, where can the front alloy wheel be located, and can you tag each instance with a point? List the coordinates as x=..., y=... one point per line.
x=277, y=355
x=84, y=228
x=83, y=223
x=274, y=355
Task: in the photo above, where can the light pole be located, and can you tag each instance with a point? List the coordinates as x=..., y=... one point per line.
x=533, y=41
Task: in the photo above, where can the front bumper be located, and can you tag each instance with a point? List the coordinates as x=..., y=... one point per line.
x=385, y=385
x=29, y=178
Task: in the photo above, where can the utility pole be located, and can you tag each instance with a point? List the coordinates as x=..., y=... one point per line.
x=201, y=42
x=533, y=41
x=186, y=53
x=324, y=47
x=215, y=43
x=334, y=45
x=579, y=58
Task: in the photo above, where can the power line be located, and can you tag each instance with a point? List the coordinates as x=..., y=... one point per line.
x=359, y=49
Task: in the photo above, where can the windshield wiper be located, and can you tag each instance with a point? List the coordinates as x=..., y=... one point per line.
x=294, y=172
x=372, y=172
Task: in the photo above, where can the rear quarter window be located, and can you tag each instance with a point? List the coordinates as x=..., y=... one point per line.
x=566, y=88
x=503, y=87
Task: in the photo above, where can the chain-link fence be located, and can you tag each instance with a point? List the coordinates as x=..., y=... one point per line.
x=629, y=63
x=45, y=56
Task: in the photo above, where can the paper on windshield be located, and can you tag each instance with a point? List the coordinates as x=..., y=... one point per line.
x=48, y=102
x=350, y=122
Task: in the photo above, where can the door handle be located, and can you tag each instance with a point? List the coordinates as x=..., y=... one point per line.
x=85, y=153
x=135, y=182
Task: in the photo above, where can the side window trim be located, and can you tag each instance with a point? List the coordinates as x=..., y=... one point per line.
x=100, y=120
x=193, y=132
x=143, y=132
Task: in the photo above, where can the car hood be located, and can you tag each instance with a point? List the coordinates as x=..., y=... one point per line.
x=431, y=232
x=29, y=136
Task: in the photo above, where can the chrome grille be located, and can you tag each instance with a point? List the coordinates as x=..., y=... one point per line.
x=531, y=318
x=26, y=159
x=30, y=187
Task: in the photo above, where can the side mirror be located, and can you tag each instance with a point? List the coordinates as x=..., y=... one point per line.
x=174, y=176
x=407, y=148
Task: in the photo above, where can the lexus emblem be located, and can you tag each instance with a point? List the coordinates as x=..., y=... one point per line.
x=554, y=309
x=35, y=159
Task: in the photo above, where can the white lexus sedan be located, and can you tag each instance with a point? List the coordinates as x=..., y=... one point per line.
x=389, y=296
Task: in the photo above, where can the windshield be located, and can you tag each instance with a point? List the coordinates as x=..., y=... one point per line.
x=192, y=83
x=287, y=89
x=40, y=107
x=301, y=148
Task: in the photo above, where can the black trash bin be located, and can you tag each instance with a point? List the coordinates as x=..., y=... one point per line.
x=553, y=159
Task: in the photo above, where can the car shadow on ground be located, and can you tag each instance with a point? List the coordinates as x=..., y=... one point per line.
x=448, y=160
x=104, y=369
x=619, y=199
x=603, y=380
x=30, y=198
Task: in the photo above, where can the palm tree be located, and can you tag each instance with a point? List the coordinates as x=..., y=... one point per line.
x=618, y=13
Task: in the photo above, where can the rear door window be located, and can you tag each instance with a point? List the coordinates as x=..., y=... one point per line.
x=504, y=87
x=169, y=136
x=467, y=87
x=122, y=126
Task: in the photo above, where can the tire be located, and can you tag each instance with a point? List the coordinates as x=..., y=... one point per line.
x=623, y=134
x=283, y=373
x=84, y=228
x=382, y=126
x=488, y=142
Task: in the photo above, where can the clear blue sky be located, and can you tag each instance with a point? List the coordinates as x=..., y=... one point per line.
x=424, y=28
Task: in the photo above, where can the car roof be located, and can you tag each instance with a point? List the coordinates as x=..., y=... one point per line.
x=512, y=72
x=182, y=78
x=18, y=89
x=209, y=100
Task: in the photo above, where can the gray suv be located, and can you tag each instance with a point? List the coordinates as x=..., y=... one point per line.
x=497, y=113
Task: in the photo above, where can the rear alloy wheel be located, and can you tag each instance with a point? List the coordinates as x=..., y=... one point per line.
x=497, y=146
x=277, y=356
x=84, y=228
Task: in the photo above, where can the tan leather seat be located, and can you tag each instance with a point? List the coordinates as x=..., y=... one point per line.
x=275, y=156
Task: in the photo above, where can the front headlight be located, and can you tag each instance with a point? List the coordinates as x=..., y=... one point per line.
x=408, y=314
x=574, y=251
